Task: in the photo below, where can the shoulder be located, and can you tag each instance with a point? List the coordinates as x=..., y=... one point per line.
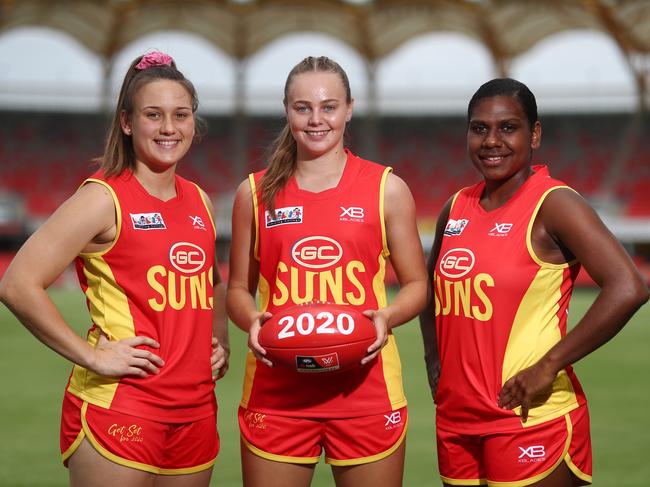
x=365, y=165
x=244, y=195
x=398, y=200
x=396, y=187
x=96, y=193
x=97, y=200
x=368, y=166
x=193, y=186
x=189, y=185
x=243, y=209
x=206, y=199
x=563, y=209
x=93, y=203
x=244, y=189
x=561, y=197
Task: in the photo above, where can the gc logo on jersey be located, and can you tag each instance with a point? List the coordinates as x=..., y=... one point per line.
x=186, y=257
x=317, y=252
x=457, y=262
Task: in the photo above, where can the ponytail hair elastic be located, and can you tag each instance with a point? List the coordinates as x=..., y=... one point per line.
x=155, y=58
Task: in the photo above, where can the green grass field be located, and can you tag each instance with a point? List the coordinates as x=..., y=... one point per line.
x=615, y=379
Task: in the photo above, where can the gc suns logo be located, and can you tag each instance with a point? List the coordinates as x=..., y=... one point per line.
x=187, y=257
x=457, y=262
x=317, y=252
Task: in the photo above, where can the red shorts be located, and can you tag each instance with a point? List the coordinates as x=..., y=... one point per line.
x=517, y=458
x=160, y=448
x=349, y=441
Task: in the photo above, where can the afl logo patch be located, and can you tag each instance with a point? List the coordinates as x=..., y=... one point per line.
x=457, y=262
x=186, y=257
x=317, y=252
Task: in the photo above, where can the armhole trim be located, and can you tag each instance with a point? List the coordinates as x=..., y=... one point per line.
x=118, y=218
x=382, y=220
x=453, y=201
x=203, y=196
x=529, y=232
x=251, y=180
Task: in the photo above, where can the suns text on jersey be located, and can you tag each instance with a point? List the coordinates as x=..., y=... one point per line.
x=339, y=284
x=177, y=290
x=468, y=296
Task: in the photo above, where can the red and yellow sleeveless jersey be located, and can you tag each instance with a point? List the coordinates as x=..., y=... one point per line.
x=154, y=280
x=331, y=247
x=499, y=308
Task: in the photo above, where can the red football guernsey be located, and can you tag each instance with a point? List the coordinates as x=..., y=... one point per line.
x=154, y=280
x=499, y=308
x=328, y=246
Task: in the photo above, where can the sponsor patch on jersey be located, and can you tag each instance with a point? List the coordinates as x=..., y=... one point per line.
x=284, y=216
x=197, y=223
x=455, y=227
x=317, y=363
x=147, y=221
x=352, y=214
x=500, y=229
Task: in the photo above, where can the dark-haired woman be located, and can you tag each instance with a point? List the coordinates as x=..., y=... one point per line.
x=317, y=191
x=510, y=410
x=139, y=408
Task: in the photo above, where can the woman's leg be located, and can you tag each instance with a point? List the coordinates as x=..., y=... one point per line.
x=260, y=472
x=90, y=469
x=387, y=472
x=562, y=476
x=198, y=479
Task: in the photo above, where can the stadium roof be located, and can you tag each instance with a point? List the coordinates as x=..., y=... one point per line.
x=374, y=28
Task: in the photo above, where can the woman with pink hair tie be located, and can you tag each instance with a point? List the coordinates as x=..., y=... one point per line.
x=139, y=408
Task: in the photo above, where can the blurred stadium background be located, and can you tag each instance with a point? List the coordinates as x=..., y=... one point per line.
x=413, y=65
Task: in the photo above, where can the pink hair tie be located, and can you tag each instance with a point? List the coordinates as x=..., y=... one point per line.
x=155, y=58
